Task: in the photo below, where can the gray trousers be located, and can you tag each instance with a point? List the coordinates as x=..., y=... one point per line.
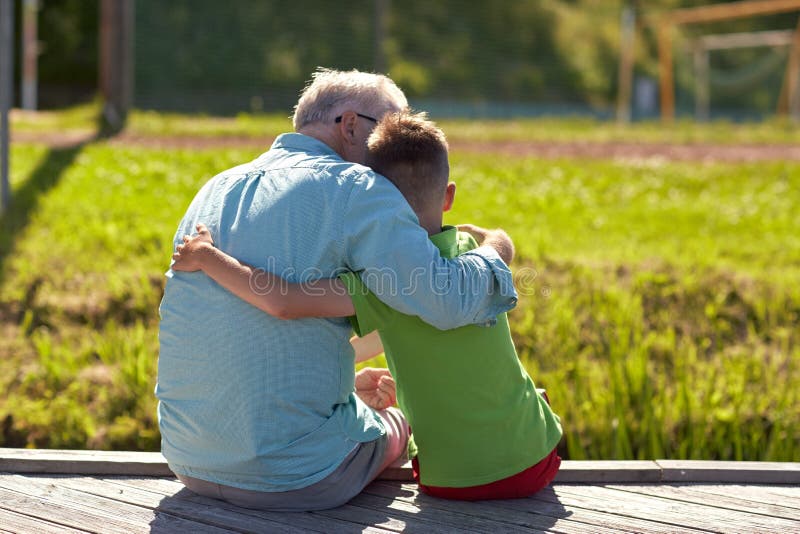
x=357, y=470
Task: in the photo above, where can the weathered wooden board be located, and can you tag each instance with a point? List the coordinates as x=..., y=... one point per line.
x=14, y=522
x=734, y=472
x=45, y=461
x=308, y=521
x=608, y=471
x=541, y=514
x=442, y=517
x=70, y=462
x=105, y=492
x=731, y=501
x=787, y=496
x=593, y=517
x=672, y=512
x=208, y=513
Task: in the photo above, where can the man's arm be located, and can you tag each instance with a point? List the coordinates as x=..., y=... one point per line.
x=385, y=243
x=266, y=291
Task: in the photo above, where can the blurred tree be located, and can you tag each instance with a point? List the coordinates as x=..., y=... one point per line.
x=68, y=33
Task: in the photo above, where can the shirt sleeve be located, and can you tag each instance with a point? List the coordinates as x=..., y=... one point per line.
x=399, y=264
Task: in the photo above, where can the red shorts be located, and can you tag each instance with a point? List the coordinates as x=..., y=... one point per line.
x=522, y=484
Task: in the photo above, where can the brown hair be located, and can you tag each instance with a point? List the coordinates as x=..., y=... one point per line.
x=411, y=151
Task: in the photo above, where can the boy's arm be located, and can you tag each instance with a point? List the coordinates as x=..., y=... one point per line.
x=266, y=291
x=367, y=347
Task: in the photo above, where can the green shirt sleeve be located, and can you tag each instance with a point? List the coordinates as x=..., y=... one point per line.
x=371, y=313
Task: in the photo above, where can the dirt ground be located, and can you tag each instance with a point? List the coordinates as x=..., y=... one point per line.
x=541, y=149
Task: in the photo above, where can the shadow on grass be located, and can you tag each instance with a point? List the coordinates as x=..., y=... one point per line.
x=44, y=177
x=26, y=198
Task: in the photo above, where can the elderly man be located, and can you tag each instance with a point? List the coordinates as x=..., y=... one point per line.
x=270, y=414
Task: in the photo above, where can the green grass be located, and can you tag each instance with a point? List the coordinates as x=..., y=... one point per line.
x=81, y=118
x=565, y=129
x=659, y=303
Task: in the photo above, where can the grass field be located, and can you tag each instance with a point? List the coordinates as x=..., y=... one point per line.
x=660, y=302
x=775, y=131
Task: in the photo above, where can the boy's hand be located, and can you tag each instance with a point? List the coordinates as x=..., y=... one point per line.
x=497, y=239
x=189, y=256
x=475, y=231
x=376, y=388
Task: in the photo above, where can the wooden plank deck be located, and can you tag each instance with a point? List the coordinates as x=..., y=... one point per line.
x=90, y=491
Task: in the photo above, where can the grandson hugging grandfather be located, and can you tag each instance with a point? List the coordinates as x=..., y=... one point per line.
x=479, y=429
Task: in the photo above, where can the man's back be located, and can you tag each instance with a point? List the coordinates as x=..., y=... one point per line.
x=245, y=399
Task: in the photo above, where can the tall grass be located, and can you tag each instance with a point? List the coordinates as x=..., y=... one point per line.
x=659, y=303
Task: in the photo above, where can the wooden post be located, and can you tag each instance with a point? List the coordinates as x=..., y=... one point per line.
x=711, y=13
x=794, y=95
x=116, y=61
x=380, y=15
x=30, y=53
x=6, y=95
x=626, y=61
x=667, y=88
x=732, y=10
x=701, y=82
x=726, y=41
x=790, y=78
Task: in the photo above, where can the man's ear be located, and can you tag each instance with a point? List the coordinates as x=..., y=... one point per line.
x=347, y=126
x=449, y=196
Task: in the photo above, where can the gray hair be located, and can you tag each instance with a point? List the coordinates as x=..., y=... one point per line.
x=331, y=92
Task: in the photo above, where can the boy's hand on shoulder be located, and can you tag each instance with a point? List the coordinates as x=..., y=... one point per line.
x=376, y=388
x=475, y=231
x=497, y=239
x=189, y=255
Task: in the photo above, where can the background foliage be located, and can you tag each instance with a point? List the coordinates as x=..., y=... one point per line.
x=452, y=57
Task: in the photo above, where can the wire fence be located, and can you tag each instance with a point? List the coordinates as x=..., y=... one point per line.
x=494, y=58
x=455, y=56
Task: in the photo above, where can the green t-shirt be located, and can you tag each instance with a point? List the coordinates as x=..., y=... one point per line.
x=474, y=411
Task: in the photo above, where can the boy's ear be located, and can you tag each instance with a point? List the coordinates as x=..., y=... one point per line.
x=449, y=196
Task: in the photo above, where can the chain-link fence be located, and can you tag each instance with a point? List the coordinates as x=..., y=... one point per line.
x=498, y=58
x=455, y=56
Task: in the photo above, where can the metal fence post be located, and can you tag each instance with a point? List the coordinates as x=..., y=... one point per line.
x=30, y=53
x=6, y=95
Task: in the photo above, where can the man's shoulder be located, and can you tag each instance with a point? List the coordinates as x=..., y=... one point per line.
x=368, y=185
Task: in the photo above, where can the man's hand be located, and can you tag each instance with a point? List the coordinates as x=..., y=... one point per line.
x=497, y=239
x=376, y=388
x=189, y=256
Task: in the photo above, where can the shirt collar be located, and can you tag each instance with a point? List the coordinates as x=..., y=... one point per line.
x=447, y=241
x=310, y=145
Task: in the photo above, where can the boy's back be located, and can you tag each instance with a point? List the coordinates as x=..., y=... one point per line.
x=474, y=412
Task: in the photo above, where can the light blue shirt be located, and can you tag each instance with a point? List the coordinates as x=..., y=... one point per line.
x=259, y=403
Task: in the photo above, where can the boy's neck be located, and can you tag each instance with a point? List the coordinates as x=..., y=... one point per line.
x=432, y=224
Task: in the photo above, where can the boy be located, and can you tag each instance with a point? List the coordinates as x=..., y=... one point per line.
x=480, y=429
